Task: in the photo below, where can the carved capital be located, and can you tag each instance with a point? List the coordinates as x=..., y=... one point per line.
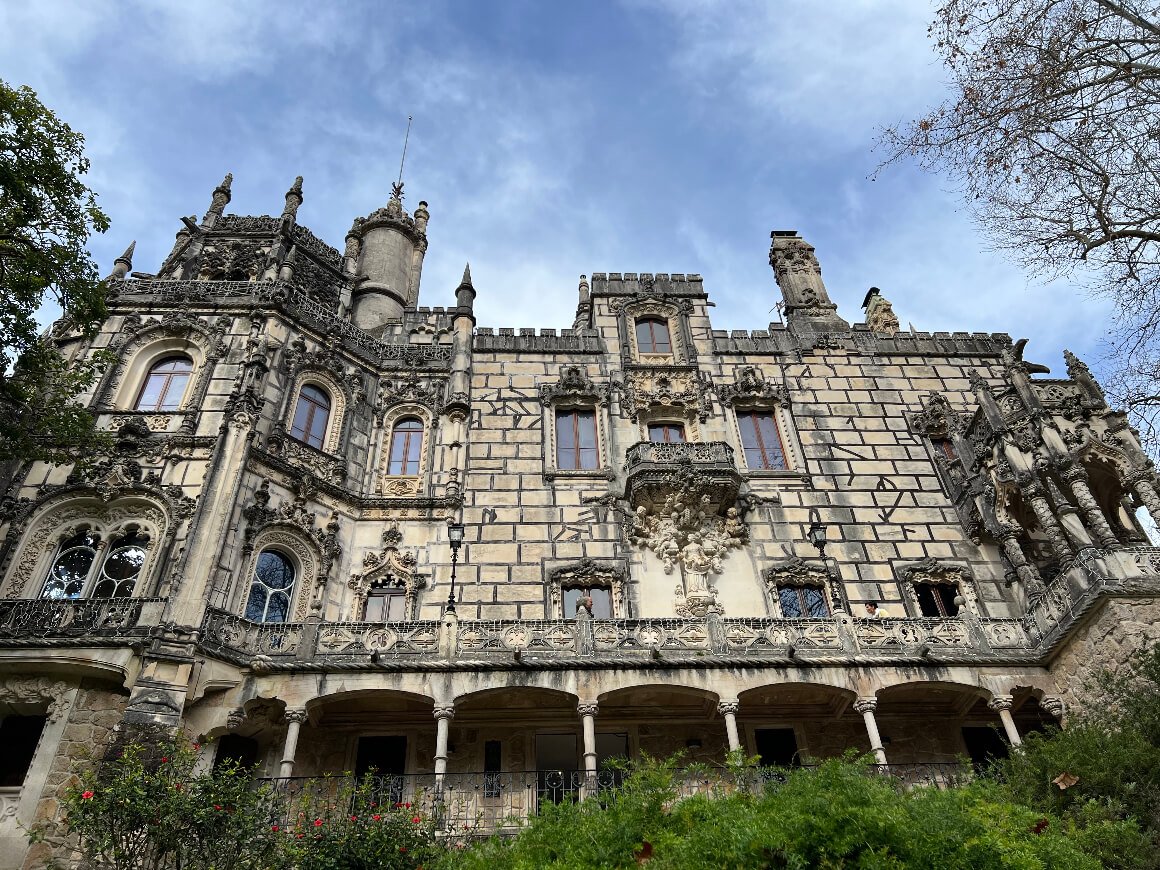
x=235, y=718
x=728, y=708
x=587, y=708
x=865, y=705
x=1000, y=703
x=298, y=715
x=445, y=711
x=1052, y=705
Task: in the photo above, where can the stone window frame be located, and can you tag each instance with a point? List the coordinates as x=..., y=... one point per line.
x=125, y=534
x=575, y=391
x=751, y=392
x=659, y=415
x=290, y=543
x=40, y=547
x=140, y=363
x=796, y=571
x=933, y=571
x=336, y=423
x=654, y=309
x=588, y=574
x=388, y=566
x=412, y=484
x=35, y=696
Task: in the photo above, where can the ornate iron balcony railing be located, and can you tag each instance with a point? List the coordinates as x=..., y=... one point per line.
x=77, y=621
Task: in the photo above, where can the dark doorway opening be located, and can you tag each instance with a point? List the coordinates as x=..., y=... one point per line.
x=777, y=747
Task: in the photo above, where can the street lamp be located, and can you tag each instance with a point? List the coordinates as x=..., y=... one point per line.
x=817, y=532
x=455, y=539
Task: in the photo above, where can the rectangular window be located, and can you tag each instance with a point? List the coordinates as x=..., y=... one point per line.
x=937, y=599
x=761, y=440
x=19, y=735
x=802, y=601
x=946, y=447
x=576, y=448
x=385, y=605
x=601, y=601
x=666, y=433
x=652, y=336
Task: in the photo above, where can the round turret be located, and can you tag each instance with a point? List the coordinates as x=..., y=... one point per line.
x=391, y=245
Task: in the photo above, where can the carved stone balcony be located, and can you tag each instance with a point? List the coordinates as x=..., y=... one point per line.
x=657, y=471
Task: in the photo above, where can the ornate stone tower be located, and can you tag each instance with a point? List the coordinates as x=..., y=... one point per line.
x=385, y=251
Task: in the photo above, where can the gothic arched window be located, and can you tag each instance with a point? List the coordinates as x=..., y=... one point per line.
x=406, y=450
x=311, y=415
x=652, y=336
x=164, y=386
x=271, y=588
x=79, y=571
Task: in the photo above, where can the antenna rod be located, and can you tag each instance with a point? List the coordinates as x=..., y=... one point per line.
x=404, y=157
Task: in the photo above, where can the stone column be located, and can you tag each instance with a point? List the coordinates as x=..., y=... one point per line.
x=588, y=711
x=294, y=720
x=1026, y=572
x=867, y=706
x=1001, y=704
x=728, y=709
x=1142, y=486
x=1077, y=479
x=443, y=716
x=1035, y=496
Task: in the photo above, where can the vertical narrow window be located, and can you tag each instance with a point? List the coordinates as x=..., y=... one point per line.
x=652, y=336
x=270, y=588
x=492, y=768
x=19, y=735
x=666, y=433
x=937, y=599
x=385, y=604
x=164, y=386
x=406, y=447
x=802, y=601
x=70, y=570
x=311, y=415
x=576, y=440
x=761, y=440
x=946, y=448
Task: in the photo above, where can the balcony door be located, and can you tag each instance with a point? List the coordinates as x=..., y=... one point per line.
x=557, y=763
x=385, y=759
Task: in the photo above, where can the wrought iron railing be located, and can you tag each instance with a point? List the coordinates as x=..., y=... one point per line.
x=487, y=802
x=230, y=633
x=89, y=618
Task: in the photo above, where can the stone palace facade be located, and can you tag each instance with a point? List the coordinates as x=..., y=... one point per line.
x=670, y=533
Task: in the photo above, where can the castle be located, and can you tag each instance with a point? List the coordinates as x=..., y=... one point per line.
x=339, y=531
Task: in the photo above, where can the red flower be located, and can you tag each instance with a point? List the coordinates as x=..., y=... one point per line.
x=354, y=818
x=407, y=805
x=416, y=820
x=88, y=795
x=274, y=828
x=398, y=804
x=377, y=818
x=299, y=837
x=402, y=848
x=217, y=806
x=164, y=759
x=318, y=823
x=179, y=786
x=196, y=746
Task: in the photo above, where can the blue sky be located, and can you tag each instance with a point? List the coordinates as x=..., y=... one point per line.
x=550, y=139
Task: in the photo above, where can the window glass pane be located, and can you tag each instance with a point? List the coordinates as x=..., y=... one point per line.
x=275, y=570
x=770, y=441
x=815, y=601
x=256, y=603
x=151, y=393
x=375, y=609
x=269, y=599
x=748, y=426
x=119, y=573
x=396, y=606
x=278, y=607
x=652, y=336
x=302, y=414
x=587, y=457
x=414, y=446
x=316, y=437
x=601, y=603
x=316, y=396
x=70, y=569
x=571, y=596
x=566, y=428
x=586, y=428
x=644, y=336
x=406, y=447
x=790, y=603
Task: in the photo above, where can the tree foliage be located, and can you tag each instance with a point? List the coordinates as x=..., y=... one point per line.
x=46, y=216
x=1052, y=130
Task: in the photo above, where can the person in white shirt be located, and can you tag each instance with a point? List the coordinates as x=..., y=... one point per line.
x=873, y=611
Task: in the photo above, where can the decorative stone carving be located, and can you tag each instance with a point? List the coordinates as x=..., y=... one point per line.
x=574, y=386
x=649, y=388
x=36, y=691
x=937, y=417
x=586, y=574
x=389, y=568
x=796, y=571
x=588, y=708
x=751, y=387
x=409, y=388
x=933, y=571
x=322, y=465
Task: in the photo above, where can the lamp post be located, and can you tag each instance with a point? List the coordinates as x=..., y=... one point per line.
x=455, y=539
x=817, y=532
x=816, y=535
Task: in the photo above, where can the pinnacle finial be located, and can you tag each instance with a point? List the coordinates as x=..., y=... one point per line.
x=123, y=263
x=227, y=182
x=221, y=196
x=296, y=187
x=128, y=255
x=293, y=199
x=466, y=275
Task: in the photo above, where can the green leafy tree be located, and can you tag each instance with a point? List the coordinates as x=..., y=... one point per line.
x=46, y=216
x=1052, y=131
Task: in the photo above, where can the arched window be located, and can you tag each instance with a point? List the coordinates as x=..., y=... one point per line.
x=652, y=336
x=761, y=440
x=311, y=415
x=666, y=433
x=164, y=386
x=406, y=447
x=78, y=571
x=271, y=588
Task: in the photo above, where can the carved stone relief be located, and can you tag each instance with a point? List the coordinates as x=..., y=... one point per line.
x=586, y=574
x=752, y=387
x=574, y=386
x=651, y=388
x=934, y=571
x=390, y=567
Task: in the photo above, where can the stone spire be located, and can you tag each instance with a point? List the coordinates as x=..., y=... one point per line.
x=880, y=316
x=123, y=263
x=799, y=276
x=465, y=292
x=584, y=306
x=293, y=200
x=221, y=197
